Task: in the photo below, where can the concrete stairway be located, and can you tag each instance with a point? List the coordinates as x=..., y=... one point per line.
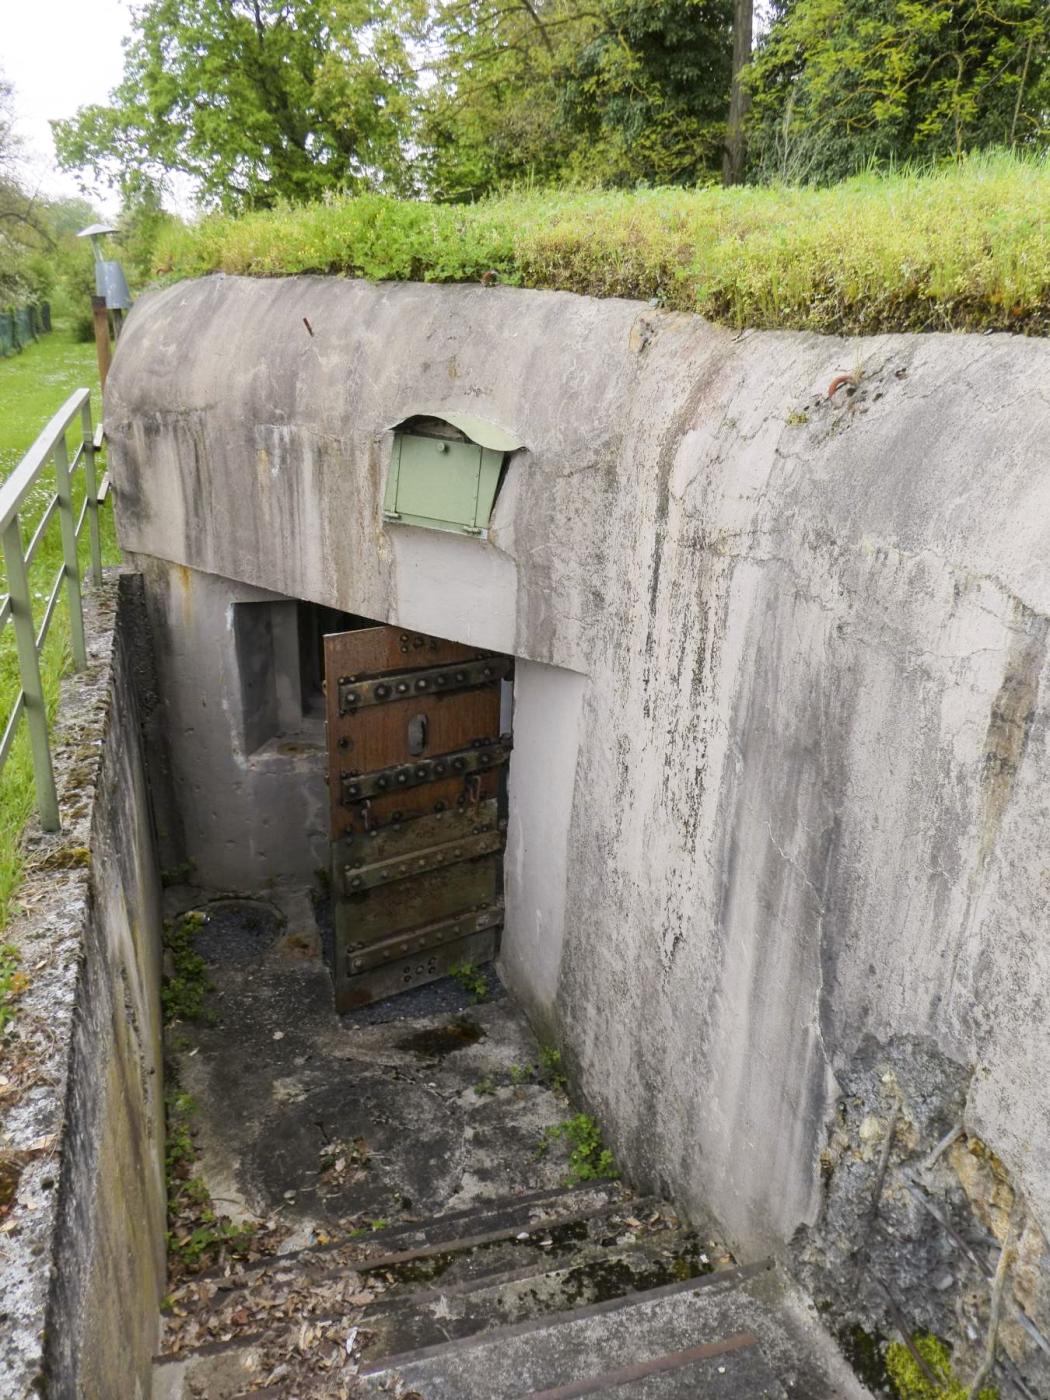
x=565, y=1292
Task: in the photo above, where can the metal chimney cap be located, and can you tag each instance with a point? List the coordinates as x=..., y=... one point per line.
x=96, y=230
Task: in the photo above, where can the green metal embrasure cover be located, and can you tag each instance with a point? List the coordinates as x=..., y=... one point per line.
x=444, y=483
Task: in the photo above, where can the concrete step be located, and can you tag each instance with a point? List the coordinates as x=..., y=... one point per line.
x=733, y=1369
x=517, y=1237
x=303, y=1363
x=328, y=1322
x=489, y=1218
x=594, y=1270
x=724, y=1334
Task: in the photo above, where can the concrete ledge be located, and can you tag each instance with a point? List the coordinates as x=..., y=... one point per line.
x=81, y=1106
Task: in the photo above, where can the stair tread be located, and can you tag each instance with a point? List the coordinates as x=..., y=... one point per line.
x=583, y=1343
x=541, y=1288
x=733, y=1369
x=306, y=1285
x=482, y=1218
x=518, y=1281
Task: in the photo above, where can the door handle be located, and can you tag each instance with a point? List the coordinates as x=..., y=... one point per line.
x=417, y=735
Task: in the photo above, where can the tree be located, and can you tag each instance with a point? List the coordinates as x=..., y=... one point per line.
x=614, y=93
x=735, y=160
x=24, y=235
x=492, y=112
x=842, y=85
x=255, y=101
x=647, y=95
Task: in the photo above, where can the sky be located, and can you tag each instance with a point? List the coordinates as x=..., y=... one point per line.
x=60, y=55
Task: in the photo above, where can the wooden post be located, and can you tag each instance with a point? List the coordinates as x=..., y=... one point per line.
x=735, y=158
x=101, y=318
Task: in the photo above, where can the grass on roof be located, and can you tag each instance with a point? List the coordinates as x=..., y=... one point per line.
x=961, y=248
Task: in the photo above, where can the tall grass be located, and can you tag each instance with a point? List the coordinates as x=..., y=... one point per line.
x=33, y=386
x=965, y=247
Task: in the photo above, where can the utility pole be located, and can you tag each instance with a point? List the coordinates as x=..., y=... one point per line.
x=734, y=159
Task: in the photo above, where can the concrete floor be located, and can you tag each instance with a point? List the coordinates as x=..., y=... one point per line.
x=422, y=1118
x=423, y=1105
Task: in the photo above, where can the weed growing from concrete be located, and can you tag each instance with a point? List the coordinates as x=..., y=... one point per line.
x=13, y=982
x=196, y=1232
x=551, y=1071
x=911, y=1384
x=485, y=1086
x=185, y=984
x=472, y=980
x=589, y=1158
x=358, y=1230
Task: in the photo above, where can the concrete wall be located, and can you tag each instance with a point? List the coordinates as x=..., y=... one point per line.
x=242, y=813
x=548, y=708
x=809, y=806
x=82, y=1266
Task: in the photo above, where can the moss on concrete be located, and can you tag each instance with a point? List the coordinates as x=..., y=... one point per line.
x=911, y=1384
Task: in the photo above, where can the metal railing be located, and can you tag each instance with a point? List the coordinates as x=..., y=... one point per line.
x=17, y=606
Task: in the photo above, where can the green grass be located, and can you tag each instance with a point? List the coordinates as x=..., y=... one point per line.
x=33, y=386
x=960, y=248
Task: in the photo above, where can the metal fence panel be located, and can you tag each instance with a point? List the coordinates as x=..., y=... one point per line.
x=17, y=607
x=20, y=325
x=24, y=326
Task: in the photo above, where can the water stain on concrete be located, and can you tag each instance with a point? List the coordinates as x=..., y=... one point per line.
x=438, y=1041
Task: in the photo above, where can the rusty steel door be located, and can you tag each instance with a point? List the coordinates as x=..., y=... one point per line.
x=417, y=781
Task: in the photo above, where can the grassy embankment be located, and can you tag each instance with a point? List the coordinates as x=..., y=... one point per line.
x=33, y=386
x=963, y=248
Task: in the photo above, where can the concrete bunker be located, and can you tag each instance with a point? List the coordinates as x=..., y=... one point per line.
x=762, y=666
x=305, y=741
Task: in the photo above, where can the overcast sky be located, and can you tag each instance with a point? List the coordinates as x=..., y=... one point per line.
x=60, y=55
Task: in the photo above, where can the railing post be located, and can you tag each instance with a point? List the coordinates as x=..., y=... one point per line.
x=29, y=672
x=91, y=486
x=67, y=521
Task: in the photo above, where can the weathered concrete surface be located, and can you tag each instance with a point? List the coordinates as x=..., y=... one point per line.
x=400, y=1150
x=239, y=814
x=448, y=1111
x=784, y=1352
x=82, y=1251
x=811, y=790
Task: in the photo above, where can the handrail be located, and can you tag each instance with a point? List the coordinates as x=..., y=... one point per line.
x=17, y=607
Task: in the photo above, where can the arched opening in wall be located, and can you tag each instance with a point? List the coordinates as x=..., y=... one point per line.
x=418, y=743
